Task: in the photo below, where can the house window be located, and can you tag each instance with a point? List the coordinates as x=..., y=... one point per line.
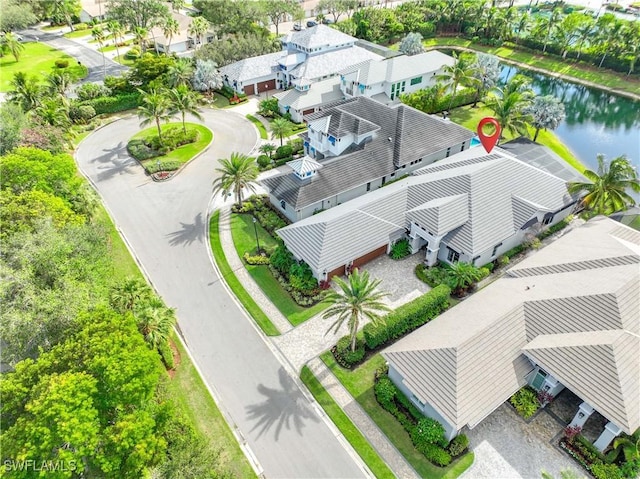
x=548, y=218
x=448, y=152
x=462, y=149
x=283, y=205
x=415, y=81
x=452, y=255
x=416, y=400
x=369, y=186
x=495, y=249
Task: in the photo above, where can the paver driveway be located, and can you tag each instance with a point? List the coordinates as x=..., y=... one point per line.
x=165, y=224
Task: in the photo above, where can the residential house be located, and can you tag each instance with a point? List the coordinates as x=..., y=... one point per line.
x=567, y=316
x=386, y=80
x=182, y=41
x=91, y=10
x=307, y=56
x=299, y=102
x=361, y=145
x=471, y=207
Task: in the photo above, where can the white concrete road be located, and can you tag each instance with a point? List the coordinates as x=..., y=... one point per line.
x=166, y=226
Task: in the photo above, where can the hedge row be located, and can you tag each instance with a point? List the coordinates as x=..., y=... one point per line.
x=114, y=104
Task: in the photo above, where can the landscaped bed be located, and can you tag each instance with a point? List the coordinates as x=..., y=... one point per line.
x=175, y=149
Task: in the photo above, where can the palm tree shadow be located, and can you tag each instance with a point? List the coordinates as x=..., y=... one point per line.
x=282, y=408
x=188, y=233
x=113, y=162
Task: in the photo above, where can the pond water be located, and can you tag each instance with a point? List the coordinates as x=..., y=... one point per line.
x=596, y=121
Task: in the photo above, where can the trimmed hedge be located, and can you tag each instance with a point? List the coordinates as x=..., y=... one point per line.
x=170, y=165
x=458, y=445
x=343, y=350
x=166, y=353
x=114, y=104
x=408, y=317
x=259, y=259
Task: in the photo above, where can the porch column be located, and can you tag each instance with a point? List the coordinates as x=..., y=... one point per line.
x=432, y=254
x=610, y=432
x=584, y=411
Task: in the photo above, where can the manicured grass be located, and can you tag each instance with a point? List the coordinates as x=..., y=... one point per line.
x=259, y=126
x=122, y=60
x=232, y=281
x=346, y=427
x=469, y=118
x=359, y=383
x=112, y=48
x=37, y=59
x=184, y=153
x=244, y=240
x=192, y=397
x=572, y=69
x=220, y=101
x=78, y=33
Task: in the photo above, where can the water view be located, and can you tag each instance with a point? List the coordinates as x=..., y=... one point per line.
x=596, y=122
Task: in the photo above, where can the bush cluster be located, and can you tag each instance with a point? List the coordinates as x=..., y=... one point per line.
x=343, y=351
x=458, y=445
x=166, y=353
x=172, y=138
x=81, y=114
x=525, y=401
x=433, y=276
x=258, y=259
x=229, y=93
x=140, y=151
x=114, y=104
x=260, y=207
x=400, y=249
x=169, y=165
x=263, y=161
x=61, y=63
x=282, y=152
x=132, y=54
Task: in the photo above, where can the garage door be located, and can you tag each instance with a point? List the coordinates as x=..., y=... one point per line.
x=266, y=85
x=369, y=256
x=309, y=111
x=249, y=90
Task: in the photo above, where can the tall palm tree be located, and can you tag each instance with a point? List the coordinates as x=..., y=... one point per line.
x=460, y=73
x=237, y=173
x=184, y=100
x=280, y=128
x=583, y=32
x=98, y=34
x=170, y=27
x=117, y=31
x=58, y=82
x=509, y=103
x=154, y=108
x=180, y=73
x=155, y=321
x=549, y=25
x=126, y=295
x=267, y=149
x=522, y=26
x=606, y=190
x=199, y=27
x=141, y=35
x=356, y=300
x=65, y=9
x=13, y=45
x=25, y=91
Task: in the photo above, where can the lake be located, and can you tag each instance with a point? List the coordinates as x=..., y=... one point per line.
x=596, y=121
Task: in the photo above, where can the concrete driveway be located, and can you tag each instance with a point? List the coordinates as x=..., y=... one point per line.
x=165, y=225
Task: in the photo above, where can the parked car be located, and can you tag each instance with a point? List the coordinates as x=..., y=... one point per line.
x=297, y=27
x=327, y=21
x=311, y=23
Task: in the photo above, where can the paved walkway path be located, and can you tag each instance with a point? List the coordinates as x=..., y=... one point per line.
x=389, y=454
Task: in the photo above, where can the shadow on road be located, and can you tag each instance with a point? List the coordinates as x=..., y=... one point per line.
x=188, y=233
x=281, y=408
x=114, y=161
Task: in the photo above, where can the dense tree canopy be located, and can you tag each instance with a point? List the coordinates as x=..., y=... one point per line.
x=16, y=15
x=137, y=13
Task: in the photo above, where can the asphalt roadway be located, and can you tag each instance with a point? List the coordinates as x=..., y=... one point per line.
x=165, y=225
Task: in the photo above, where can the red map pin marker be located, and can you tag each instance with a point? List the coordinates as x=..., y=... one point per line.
x=489, y=141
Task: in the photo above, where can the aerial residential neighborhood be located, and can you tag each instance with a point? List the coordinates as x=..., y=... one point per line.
x=320, y=239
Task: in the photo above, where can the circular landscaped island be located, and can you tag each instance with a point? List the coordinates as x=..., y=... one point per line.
x=162, y=155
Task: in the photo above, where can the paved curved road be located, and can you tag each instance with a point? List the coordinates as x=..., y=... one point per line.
x=165, y=224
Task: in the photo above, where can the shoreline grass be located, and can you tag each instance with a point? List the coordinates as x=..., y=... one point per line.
x=261, y=319
x=261, y=128
x=346, y=427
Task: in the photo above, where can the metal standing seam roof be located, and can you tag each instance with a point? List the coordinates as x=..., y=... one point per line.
x=318, y=37
x=251, y=68
x=581, y=325
x=319, y=93
x=304, y=165
x=331, y=62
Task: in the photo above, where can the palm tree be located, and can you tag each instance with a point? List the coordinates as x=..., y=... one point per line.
x=141, y=35
x=357, y=299
x=632, y=54
x=486, y=70
x=460, y=73
x=184, y=100
x=460, y=276
x=199, y=26
x=155, y=321
x=547, y=25
x=98, y=34
x=170, y=28
x=26, y=91
x=117, y=30
x=583, y=33
x=629, y=446
x=606, y=190
x=267, y=149
x=65, y=9
x=280, y=128
x=58, y=82
x=155, y=107
x=524, y=21
x=180, y=73
x=126, y=295
x=53, y=112
x=238, y=172
x=13, y=44
x=508, y=105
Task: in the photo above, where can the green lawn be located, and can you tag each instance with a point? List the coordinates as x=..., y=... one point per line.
x=346, y=427
x=112, y=48
x=124, y=61
x=578, y=70
x=469, y=118
x=78, y=33
x=193, y=398
x=37, y=59
x=261, y=128
x=232, y=281
x=359, y=382
x=244, y=240
x=220, y=101
x=184, y=153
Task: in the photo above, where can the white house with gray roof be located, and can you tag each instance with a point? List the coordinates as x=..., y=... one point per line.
x=307, y=56
x=471, y=207
x=567, y=316
x=299, y=102
x=362, y=145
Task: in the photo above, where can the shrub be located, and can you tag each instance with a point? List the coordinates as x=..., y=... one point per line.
x=132, y=54
x=258, y=259
x=61, y=63
x=428, y=431
x=301, y=277
x=268, y=107
x=80, y=26
x=514, y=251
x=173, y=138
x=89, y=91
x=282, y=259
x=166, y=353
x=140, y=151
x=297, y=145
x=408, y=317
x=606, y=471
x=434, y=276
x=489, y=266
x=588, y=450
x=283, y=151
x=630, y=469
x=114, y=104
x=170, y=165
x=570, y=432
x=458, y=445
x=435, y=454
x=503, y=260
x=385, y=391
x=81, y=113
x=343, y=352
x=263, y=161
x=525, y=401
x=400, y=249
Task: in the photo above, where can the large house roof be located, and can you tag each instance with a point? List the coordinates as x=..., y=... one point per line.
x=329, y=63
x=469, y=195
x=573, y=308
x=94, y=8
x=318, y=37
x=399, y=68
x=320, y=93
x=251, y=68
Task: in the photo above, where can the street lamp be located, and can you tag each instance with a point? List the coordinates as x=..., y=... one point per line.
x=159, y=165
x=255, y=228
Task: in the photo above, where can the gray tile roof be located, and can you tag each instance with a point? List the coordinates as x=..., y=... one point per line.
x=319, y=93
x=254, y=67
x=318, y=37
x=581, y=325
x=468, y=194
x=329, y=63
